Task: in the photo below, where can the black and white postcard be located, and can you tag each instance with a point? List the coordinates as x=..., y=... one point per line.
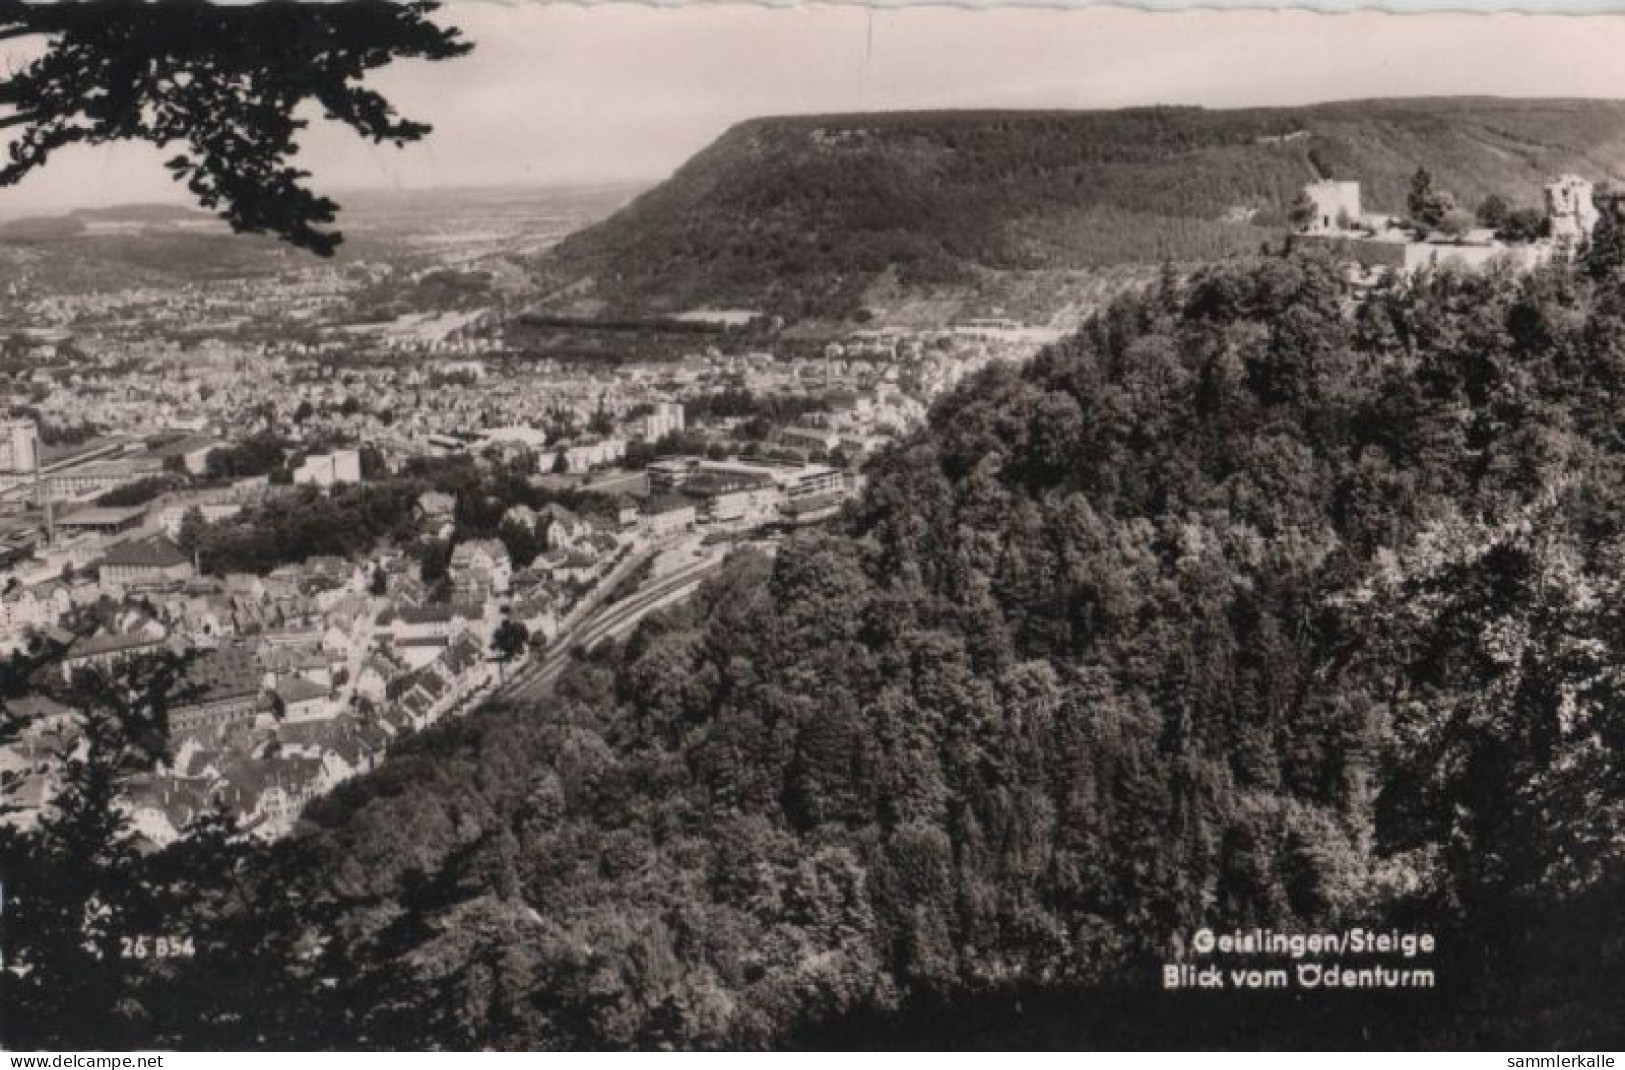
x=722, y=526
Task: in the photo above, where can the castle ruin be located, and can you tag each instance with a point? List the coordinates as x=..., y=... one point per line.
x=1378, y=241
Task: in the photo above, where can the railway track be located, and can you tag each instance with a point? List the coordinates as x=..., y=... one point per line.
x=611, y=621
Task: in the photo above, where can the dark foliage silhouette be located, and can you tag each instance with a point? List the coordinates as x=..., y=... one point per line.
x=224, y=83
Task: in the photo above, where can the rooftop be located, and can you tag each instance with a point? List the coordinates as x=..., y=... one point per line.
x=111, y=643
x=145, y=553
x=98, y=515
x=669, y=503
x=298, y=689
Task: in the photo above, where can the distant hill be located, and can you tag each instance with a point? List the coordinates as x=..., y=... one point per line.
x=162, y=245
x=149, y=215
x=804, y=215
x=133, y=245
x=78, y=221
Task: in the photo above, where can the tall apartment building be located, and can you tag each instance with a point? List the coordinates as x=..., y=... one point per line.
x=19, y=446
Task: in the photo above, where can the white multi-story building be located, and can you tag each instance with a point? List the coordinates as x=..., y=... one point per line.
x=330, y=469
x=19, y=446
x=812, y=491
x=584, y=457
x=480, y=569
x=666, y=419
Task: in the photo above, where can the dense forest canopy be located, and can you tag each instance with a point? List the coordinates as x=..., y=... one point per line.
x=1257, y=602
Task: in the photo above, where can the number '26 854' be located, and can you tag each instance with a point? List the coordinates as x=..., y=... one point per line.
x=156, y=947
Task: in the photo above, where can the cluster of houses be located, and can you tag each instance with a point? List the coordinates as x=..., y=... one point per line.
x=297, y=679
x=304, y=676
x=294, y=682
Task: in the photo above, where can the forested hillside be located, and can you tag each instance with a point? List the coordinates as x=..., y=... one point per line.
x=801, y=215
x=1248, y=605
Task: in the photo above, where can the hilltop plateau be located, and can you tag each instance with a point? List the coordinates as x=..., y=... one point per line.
x=866, y=216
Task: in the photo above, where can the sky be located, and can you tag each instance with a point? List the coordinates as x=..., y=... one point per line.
x=568, y=93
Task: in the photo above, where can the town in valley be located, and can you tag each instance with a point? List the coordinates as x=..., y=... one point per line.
x=362, y=496
x=359, y=497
